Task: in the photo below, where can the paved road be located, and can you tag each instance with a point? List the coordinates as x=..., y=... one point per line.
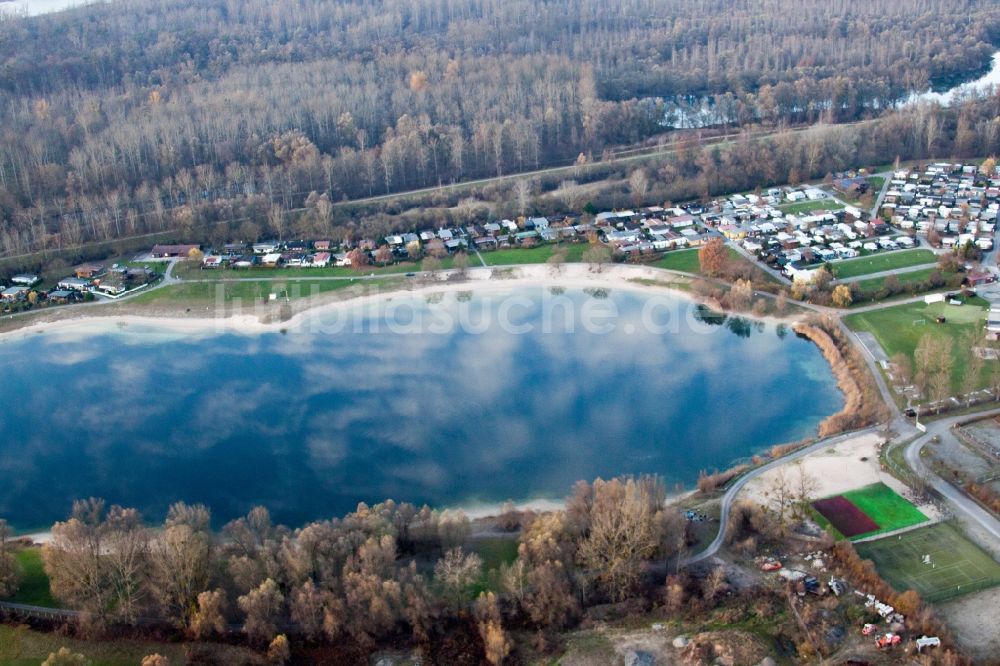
x=887, y=175
x=955, y=497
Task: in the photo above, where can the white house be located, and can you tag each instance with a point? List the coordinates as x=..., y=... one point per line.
x=800, y=275
x=26, y=279
x=74, y=284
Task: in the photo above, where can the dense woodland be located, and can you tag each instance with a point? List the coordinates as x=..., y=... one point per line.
x=141, y=115
x=384, y=573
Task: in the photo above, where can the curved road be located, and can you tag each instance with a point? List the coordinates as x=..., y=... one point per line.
x=730, y=496
x=955, y=497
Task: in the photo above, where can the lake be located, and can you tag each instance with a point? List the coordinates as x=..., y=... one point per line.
x=694, y=112
x=984, y=83
x=520, y=401
x=38, y=7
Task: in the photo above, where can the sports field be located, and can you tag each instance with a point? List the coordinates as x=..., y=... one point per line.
x=955, y=566
x=845, y=516
x=898, y=329
x=868, y=511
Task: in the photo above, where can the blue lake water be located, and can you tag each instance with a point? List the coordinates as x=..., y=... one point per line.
x=310, y=422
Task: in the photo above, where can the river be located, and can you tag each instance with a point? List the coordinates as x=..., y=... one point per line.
x=310, y=422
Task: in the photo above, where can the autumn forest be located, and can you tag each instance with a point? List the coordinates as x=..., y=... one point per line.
x=141, y=115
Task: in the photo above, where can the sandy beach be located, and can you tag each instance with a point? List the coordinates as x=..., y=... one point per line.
x=259, y=318
x=850, y=465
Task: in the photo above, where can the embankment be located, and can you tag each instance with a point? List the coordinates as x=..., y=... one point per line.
x=863, y=405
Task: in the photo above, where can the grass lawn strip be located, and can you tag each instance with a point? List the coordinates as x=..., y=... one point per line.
x=878, y=263
x=904, y=279
x=957, y=566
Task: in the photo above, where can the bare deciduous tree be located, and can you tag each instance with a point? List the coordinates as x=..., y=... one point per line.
x=262, y=607
x=624, y=534
x=208, y=618
x=10, y=570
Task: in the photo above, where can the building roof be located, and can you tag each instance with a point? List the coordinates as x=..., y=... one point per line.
x=174, y=249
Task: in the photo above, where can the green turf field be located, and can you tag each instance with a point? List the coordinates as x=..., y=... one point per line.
x=877, y=263
x=957, y=566
x=885, y=507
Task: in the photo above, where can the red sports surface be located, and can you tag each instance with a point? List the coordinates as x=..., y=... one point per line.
x=847, y=518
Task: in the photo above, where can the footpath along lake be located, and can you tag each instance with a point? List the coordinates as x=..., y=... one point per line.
x=519, y=403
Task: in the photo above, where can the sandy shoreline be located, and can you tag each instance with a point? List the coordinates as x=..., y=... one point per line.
x=264, y=318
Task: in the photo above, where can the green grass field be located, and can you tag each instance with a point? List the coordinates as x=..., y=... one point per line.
x=687, y=260
x=250, y=291
x=680, y=260
x=898, y=329
x=494, y=551
x=880, y=503
x=809, y=206
x=878, y=263
x=905, y=279
x=957, y=566
x=534, y=255
x=885, y=507
x=22, y=646
x=34, y=589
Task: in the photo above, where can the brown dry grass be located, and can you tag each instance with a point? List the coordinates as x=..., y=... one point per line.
x=863, y=404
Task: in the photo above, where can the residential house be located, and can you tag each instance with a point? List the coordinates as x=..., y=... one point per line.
x=14, y=293
x=172, y=251
x=89, y=271
x=26, y=279
x=265, y=247
x=62, y=296
x=74, y=284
